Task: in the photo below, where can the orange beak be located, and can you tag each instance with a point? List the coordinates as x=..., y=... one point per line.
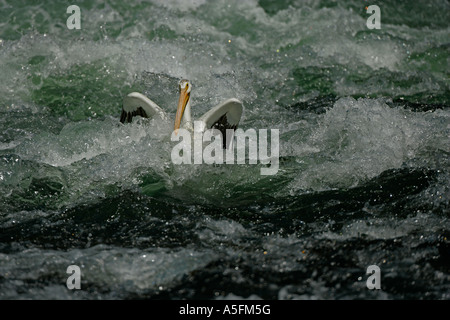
x=182, y=103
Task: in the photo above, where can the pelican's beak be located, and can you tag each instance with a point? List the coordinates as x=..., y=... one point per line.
x=182, y=103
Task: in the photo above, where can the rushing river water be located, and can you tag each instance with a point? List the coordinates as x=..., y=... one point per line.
x=364, y=125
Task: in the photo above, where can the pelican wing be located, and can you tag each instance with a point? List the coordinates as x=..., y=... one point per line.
x=136, y=104
x=222, y=117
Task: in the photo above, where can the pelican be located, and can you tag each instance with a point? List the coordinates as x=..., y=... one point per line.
x=222, y=117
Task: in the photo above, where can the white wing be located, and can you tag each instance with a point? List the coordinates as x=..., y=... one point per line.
x=227, y=114
x=222, y=117
x=136, y=104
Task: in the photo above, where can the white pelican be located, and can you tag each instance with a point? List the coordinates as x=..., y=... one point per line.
x=223, y=116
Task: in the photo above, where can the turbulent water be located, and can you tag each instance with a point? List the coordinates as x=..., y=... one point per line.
x=364, y=123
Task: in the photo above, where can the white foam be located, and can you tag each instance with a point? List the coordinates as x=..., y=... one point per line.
x=358, y=139
x=180, y=5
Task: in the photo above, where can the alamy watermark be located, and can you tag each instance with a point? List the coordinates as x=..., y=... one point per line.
x=372, y=282
x=74, y=20
x=74, y=280
x=193, y=150
x=374, y=21
x=374, y=279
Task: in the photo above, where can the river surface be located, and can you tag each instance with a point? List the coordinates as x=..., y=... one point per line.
x=364, y=169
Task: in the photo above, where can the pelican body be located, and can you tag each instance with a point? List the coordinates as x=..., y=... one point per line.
x=222, y=117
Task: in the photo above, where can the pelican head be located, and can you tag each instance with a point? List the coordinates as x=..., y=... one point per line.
x=183, y=103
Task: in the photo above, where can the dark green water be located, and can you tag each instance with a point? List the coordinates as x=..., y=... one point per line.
x=364, y=151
